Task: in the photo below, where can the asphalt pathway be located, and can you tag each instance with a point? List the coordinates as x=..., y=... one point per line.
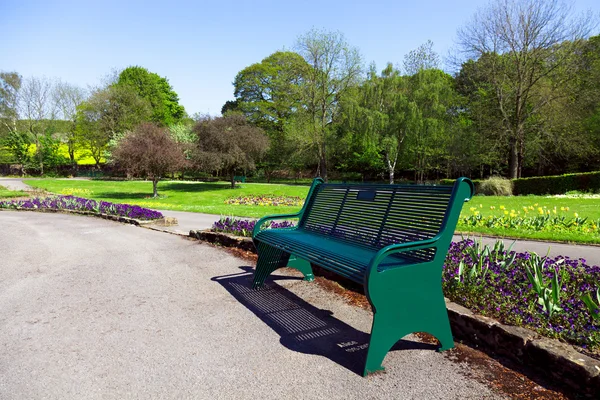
x=94, y=309
x=195, y=221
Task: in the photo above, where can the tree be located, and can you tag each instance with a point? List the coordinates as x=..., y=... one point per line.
x=163, y=100
x=518, y=38
x=421, y=58
x=374, y=122
x=109, y=112
x=67, y=98
x=10, y=83
x=432, y=106
x=269, y=95
x=334, y=68
x=37, y=110
x=228, y=144
x=150, y=152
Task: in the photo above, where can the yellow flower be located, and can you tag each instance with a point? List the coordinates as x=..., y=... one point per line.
x=576, y=215
x=541, y=210
x=505, y=212
x=475, y=212
x=562, y=209
x=554, y=210
x=502, y=207
x=492, y=207
x=535, y=205
x=472, y=209
x=512, y=214
x=566, y=208
x=481, y=206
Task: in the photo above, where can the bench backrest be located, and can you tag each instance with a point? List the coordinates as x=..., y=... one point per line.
x=375, y=216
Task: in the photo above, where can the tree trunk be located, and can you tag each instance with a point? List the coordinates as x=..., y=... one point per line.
x=233, y=180
x=514, y=159
x=323, y=163
x=155, y=187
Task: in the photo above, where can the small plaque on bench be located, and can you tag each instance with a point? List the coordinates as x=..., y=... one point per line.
x=368, y=195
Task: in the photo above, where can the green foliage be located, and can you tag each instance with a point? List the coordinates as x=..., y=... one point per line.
x=559, y=184
x=106, y=115
x=548, y=291
x=163, y=100
x=496, y=186
x=593, y=306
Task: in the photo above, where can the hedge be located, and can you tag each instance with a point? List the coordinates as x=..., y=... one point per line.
x=556, y=184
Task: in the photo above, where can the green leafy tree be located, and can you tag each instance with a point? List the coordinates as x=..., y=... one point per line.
x=106, y=114
x=335, y=67
x=518, y=37
x=10, y=83
x=163, y=100
x=431, y=111
x=269, y=94
x=67, y=98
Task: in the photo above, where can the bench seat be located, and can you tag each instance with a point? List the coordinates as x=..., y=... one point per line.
x=345, y=259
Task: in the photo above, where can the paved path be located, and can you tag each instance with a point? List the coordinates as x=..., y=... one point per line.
x=15, y=184
x=94, y=309
x=196, y=221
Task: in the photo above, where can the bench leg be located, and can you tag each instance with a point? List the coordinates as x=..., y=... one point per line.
x=383, y=337
x=303, y=266
x=396, y=319
x=269, y=259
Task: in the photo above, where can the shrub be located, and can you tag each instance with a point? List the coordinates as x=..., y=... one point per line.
x=496, y=186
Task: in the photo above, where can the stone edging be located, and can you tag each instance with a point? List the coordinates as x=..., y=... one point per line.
x=127, y=220
x=561, y=361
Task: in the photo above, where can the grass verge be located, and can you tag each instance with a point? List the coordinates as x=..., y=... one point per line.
x=210, y=198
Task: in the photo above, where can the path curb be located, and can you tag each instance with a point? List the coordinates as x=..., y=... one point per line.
x=126, y=220
x=574, y=370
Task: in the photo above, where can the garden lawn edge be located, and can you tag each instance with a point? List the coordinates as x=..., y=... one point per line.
x=573, y=370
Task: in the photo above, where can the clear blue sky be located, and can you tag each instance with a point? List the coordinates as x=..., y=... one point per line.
x=200, y=46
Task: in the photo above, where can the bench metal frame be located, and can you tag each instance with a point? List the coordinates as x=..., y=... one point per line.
x=405, y=298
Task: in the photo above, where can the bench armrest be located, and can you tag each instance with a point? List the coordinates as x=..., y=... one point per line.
x=316, y=182
x=400, y=248
x=261, y=221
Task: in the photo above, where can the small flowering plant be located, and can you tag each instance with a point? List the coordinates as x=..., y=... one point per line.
x=265, y=201
x=532, y=218
x=244, y=227
x=557, y=297
x=81, y=204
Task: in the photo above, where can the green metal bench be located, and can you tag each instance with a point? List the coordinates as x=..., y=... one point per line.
x=392, y=239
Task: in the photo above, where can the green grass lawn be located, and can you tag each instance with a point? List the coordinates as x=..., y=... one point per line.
x=199, y=197
x=210, y=198
x=5, y=193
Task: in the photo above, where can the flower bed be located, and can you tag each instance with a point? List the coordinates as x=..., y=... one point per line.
x=244, y=227
x=72, y=203
x=265, y=201
x=533, y=218
x=556, y=297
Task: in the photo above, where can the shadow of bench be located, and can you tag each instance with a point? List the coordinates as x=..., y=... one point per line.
x=303, y=327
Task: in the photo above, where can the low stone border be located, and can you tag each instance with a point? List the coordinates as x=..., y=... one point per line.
x=126, y=220
x=574, y=370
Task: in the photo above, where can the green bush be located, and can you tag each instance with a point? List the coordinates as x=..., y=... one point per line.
x=559, y=184
x=496, y=186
